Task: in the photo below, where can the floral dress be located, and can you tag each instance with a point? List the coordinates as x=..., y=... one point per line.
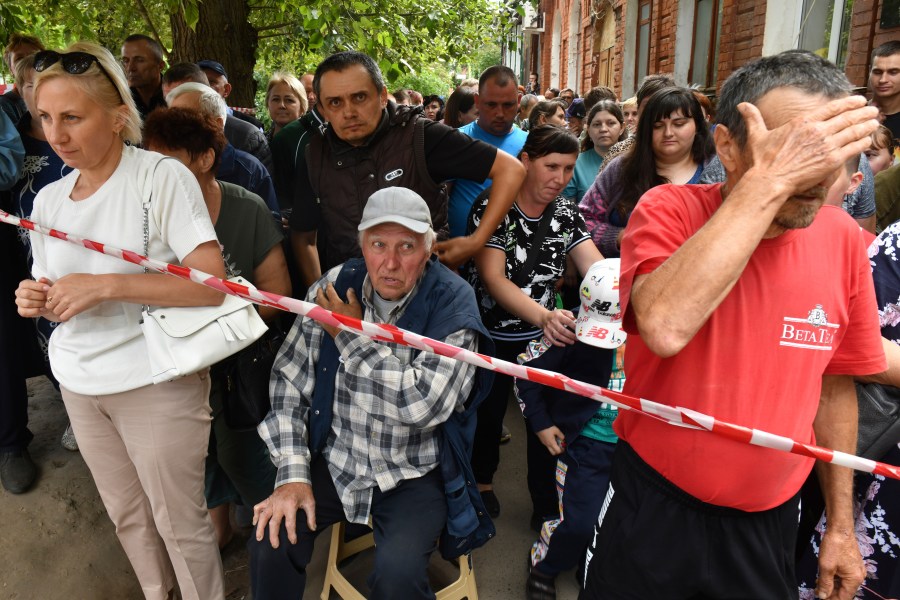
x=877, y=498
x=42, y=167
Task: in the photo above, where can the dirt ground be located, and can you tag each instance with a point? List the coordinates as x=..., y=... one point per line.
x=58, y=543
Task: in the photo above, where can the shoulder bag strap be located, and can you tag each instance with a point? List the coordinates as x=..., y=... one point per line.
x=146, y=198
x=536, y=243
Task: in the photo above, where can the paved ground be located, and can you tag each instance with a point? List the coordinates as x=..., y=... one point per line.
x=58, y=543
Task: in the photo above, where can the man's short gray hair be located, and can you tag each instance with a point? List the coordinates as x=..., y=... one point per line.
x=212, y=105
x=797, y=69
x=429, y=237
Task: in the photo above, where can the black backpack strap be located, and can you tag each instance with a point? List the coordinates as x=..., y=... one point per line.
x=521, y=276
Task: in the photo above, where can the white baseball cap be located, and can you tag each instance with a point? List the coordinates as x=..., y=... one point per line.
x=396, y=205
x=599, y=321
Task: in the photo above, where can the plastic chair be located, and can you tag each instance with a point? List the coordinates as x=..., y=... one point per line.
x=463, y=587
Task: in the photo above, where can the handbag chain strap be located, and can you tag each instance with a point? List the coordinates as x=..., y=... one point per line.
x=145, y=205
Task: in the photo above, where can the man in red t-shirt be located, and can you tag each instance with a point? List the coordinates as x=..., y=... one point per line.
x=747, y=302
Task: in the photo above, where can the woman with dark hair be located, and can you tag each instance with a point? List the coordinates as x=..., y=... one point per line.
x=434, y=107
x=515, y=277
x=672, y=145
x=460, y=109
x=548, y=112
x=605, y=127
x=238, y=467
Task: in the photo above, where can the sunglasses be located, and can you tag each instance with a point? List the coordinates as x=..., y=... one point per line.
x=73, y=63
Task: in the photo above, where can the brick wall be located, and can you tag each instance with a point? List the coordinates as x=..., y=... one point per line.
x=865, y=34
x=662, y=36
x=742, y=30
x=741, y=40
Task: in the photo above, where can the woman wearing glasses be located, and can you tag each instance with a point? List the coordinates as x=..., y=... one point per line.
x=144, y=444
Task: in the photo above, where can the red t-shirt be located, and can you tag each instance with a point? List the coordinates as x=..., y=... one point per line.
x=803, y=307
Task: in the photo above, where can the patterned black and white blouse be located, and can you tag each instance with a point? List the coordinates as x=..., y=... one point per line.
x=514, y=236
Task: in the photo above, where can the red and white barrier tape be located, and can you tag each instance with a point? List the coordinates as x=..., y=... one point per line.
x=674, y=415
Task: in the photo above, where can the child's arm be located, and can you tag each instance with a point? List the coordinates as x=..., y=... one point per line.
x=532, y=399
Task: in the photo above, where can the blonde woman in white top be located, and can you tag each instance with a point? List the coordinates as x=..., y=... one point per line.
x=145, y=444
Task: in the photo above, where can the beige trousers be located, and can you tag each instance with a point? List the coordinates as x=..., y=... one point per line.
x=146, y=450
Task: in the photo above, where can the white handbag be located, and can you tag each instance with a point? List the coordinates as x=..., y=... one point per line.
x=184, y=340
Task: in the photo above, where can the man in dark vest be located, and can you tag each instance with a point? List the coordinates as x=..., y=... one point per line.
x=361, y=429
x=370, y=144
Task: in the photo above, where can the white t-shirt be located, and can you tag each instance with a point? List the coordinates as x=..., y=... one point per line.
x=102, y=350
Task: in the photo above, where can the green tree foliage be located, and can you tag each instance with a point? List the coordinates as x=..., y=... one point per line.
x=404, y=36
x=487, y=56
x=434, y=79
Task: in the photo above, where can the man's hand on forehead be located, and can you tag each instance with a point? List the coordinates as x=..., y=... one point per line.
x=807, y=149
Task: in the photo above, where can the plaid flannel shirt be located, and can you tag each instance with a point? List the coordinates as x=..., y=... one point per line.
x=388, y=405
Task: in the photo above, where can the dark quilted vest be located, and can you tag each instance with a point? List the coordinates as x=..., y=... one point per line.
x=343, y=181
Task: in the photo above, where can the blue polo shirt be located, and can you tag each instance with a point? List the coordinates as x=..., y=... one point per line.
x=465, y=191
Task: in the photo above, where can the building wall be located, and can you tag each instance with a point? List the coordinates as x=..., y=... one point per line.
x=749, y=29
x=743, y=29
x=664, y=15
x=742, y=32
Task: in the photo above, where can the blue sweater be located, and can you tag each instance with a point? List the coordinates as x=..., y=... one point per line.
x=545, y=406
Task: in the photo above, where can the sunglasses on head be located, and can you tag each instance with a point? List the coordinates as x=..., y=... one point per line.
x=73, y=63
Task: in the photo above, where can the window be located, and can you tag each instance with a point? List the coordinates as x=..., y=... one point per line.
x=824, y=28
x=642, y=66
x=705, y=52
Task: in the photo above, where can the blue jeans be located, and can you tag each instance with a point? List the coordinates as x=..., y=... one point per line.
x=407, y=521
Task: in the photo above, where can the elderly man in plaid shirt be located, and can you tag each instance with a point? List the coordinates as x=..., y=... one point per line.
x=354, y=423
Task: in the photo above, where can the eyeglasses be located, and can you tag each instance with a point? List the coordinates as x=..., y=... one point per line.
x=73, y=63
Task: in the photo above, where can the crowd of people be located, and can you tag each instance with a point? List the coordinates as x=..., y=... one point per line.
x=726, y=239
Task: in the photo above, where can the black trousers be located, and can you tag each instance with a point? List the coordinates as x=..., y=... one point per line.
x=653, y=540
x=486, y=447
x=407, y=521
x=18, y=349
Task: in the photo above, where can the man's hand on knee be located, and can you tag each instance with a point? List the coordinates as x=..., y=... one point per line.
x=283, y=504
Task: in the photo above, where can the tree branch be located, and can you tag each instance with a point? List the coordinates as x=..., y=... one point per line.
x=142, y=8
x=272, y=35
x=412, y=14
x=278, y=26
